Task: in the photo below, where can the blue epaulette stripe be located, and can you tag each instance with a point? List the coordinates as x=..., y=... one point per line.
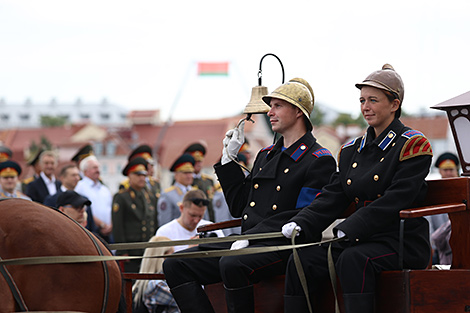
x=322, y=152
x=410, y=133
x=267, y=148
x=363, y=142
x=298, y=152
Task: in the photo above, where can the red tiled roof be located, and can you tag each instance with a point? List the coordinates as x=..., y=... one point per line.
x=435, y=127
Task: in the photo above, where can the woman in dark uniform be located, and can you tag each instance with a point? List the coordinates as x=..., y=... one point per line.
x=382, y=172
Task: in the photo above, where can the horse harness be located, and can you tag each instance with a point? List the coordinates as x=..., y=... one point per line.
x=17, y=294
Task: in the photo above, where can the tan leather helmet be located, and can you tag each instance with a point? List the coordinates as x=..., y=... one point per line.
x=386, y=79
x=298, y=93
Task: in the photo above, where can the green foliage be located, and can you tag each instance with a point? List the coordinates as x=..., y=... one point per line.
x=317, y=116
x=53, y=121
x=347, y=119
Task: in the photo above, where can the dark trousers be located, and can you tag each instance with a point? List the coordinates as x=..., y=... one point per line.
x=235, y=271
x=356, y=267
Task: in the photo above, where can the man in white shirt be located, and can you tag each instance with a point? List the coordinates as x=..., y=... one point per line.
x=170, y=199
x=185, y=226
x=99, y=195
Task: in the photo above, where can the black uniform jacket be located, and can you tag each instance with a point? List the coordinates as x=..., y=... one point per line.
x=281, y=183
x=381, y=176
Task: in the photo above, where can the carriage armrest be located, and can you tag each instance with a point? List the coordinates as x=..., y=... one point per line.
x=220, y=225
x=432, y=210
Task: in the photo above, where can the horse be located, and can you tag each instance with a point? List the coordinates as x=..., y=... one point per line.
x=30, y=229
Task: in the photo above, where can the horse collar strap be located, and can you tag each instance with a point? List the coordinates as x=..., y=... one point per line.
x=13, y=288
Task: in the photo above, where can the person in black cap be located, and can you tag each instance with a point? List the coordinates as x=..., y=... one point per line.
x=153, y=185
x=9, y=172
x=448, y=165
x=168, y=204
x=439, y=225
x=34, y=162
x=5, y=153
x=82, y=153
x=134, y=214
x=73, y=205
x=200, y=180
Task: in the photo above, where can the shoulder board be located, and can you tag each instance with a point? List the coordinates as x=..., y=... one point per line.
x=322, y=152
x=28, y=180
x=269, y=148
x=171, y=188
x=122, y=190
x=410, y=133
x=415, y=146
x=217, y=187
x=348, y=144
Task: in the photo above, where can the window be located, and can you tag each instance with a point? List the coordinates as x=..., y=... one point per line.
x=24, y=116
x=110, y=148
x=105, y=116
x=98, y=148
x=4, y=117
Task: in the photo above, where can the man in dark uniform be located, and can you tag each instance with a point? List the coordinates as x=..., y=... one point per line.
x=285, y=177
x=82, y=153
x=5, y=153
x=152, y=185
x=34, y=162
x=200, y=180
x=134, y=213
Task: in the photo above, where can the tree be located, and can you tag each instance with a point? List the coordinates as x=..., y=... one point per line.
x=317, y=116
x=53, y=121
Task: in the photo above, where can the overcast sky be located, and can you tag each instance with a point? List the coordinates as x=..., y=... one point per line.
x=143, y=54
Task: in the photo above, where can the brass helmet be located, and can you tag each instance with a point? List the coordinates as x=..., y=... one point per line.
x=298, y=93
x=386, y=79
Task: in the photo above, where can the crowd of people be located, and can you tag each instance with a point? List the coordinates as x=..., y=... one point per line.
x=295, y=186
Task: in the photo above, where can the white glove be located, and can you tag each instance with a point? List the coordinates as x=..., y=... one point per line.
x=239, y=244
x=233, y=141
x=288, y=229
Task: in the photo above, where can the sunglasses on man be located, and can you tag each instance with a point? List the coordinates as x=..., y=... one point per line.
x=199, y=201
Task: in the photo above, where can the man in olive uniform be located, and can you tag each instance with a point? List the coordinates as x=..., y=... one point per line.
x=134, y=213
x=9, y=172
x=285, y=177
x=172, y=197
x=152, y=184
x=200, y=180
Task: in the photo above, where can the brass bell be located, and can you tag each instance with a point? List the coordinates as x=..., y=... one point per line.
x=256, y=104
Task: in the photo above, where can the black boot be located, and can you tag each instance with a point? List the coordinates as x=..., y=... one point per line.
x=359, y=302
x=297, y=304
x=191, y=298
x=240, y=300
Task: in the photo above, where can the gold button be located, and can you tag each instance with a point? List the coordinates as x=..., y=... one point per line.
x=144, y=228
x=133, y=206
x=278, y=188
x=252, y=203
x=381, y=160
x=274, y=207
x=379, y=195
x=348, y=182
x=356, y=200
x=393, y=144
x=260, y=168
x=256, y=186
x=390, y=135
x=357, y=239
x=302, y=147
x=376, y=177
x=286, y=170
x=354, y=165
x=358, y=150
x=245, y=217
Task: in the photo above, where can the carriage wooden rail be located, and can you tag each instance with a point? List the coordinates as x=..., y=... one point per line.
x=406, y=291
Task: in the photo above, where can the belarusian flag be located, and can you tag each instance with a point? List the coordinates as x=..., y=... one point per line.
x=212, y=68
